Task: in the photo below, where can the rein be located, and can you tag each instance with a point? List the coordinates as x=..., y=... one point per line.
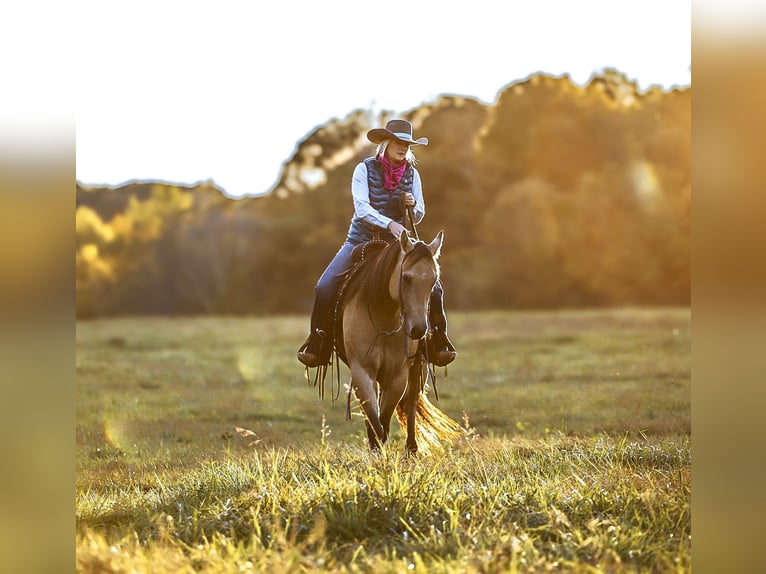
x=412, y=222
x=392, y=332
x=408, y=211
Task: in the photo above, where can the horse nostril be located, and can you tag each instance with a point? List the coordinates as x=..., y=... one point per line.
x=417, y=333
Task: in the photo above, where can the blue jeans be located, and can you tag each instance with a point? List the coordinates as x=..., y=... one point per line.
x=327, y=287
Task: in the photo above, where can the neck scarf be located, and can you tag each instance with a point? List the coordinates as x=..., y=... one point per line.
x=391, y=173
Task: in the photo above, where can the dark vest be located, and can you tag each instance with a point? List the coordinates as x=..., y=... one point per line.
x=383, y=201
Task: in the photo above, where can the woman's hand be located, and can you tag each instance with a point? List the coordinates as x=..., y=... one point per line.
x=396, y=229
x=408, y=200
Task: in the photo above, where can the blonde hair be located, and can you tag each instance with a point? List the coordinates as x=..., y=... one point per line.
x=409, y=156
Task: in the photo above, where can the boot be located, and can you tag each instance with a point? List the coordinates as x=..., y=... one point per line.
x=441, y=351
x=317, y=349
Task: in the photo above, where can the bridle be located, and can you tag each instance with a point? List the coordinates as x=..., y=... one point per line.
x=402, y=318
x=402, y=314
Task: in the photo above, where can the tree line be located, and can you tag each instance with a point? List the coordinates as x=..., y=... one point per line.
x=557, y=195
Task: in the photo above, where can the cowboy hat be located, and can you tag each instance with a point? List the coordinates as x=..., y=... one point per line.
x=396, y=129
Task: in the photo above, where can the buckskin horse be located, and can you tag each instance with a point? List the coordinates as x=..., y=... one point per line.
x=381, y=321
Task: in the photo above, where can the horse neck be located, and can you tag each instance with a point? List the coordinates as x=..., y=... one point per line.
x=383, y=301
x=395, y=280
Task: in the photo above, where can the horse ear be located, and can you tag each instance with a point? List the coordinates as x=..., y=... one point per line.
x=436, y=245
x=405, y=242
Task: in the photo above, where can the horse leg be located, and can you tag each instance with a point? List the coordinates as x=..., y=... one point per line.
x=364, y=388
x=390, y=395
x=410, y=405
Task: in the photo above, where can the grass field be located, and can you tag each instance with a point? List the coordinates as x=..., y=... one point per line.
x=576, y=457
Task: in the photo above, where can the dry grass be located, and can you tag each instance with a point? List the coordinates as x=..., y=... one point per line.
x=578, y=455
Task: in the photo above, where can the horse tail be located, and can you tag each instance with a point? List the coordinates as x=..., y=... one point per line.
x=433, y=427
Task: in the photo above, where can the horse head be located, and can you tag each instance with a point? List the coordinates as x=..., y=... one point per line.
x=412, y=286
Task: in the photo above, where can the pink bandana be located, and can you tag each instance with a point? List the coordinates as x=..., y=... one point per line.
x=391, y=173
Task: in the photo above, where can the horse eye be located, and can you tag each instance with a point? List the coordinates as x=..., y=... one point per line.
x=407, y=278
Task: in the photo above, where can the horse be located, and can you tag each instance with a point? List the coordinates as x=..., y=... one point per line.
x=381, y=323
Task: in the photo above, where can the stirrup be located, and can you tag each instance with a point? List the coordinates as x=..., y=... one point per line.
x=441, y=351
x=315, y=357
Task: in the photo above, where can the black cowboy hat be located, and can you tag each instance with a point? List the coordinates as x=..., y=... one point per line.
x=396, y=129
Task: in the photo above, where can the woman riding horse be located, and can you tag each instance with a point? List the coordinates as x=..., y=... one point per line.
x=384, y=188
x=382, y=318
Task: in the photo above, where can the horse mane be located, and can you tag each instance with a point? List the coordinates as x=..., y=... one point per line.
x=372, y=282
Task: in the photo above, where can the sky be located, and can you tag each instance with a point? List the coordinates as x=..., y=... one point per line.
x=194, y=91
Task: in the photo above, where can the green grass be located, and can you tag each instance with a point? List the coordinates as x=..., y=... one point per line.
x=577, y=456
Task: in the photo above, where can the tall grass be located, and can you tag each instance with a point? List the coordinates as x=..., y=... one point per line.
x=576, y=454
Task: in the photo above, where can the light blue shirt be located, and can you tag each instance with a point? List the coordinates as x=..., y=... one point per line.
x=360, y=190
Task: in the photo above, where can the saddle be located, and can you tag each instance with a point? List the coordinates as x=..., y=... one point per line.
x=364, y=251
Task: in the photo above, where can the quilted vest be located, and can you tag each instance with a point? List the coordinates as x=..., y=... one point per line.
x=382, y=200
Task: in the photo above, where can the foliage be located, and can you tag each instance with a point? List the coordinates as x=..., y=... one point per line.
x=556, y=195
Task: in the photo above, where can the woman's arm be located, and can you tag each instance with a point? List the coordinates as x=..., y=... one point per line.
x=419, y=211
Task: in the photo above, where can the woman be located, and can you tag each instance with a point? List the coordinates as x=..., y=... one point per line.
x=383, y=187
